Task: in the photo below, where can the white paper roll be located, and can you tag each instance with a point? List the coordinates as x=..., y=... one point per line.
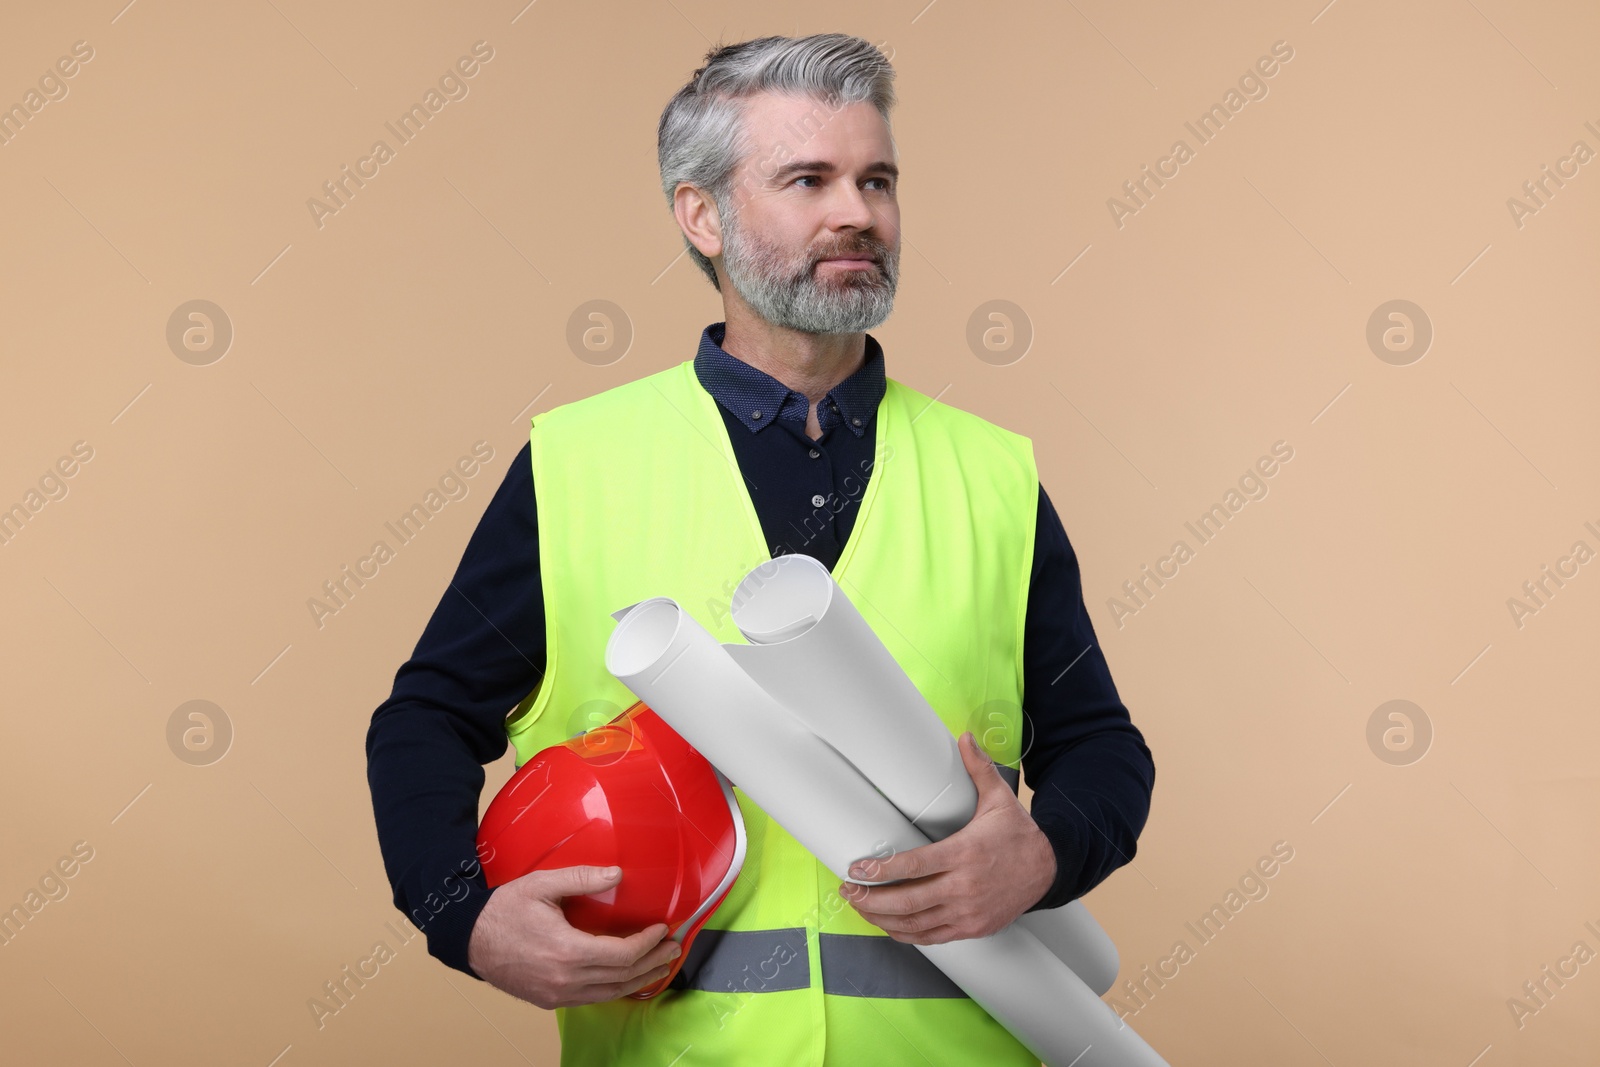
x=691, y=681
x=802, y=626
x=674, y=665
x=803, y=630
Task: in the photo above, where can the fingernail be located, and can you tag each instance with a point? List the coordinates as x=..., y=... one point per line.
x=674, y=952
x=858, y=871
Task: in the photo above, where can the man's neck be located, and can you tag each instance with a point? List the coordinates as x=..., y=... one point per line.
x=809, y=363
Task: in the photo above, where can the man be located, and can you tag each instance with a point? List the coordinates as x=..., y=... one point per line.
x=778, y=162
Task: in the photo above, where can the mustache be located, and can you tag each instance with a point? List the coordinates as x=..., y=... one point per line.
x=877, y=251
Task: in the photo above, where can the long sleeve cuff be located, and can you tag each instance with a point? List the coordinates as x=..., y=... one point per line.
x=1063, y=835
x=447, y=913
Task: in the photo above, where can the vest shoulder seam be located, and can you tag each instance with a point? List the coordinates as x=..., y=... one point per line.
x=620, y=392
x=950, y=411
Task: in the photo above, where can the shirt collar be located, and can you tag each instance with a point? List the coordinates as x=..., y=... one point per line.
x=746, y=390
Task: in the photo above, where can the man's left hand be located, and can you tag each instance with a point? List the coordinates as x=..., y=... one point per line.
x=971, y=884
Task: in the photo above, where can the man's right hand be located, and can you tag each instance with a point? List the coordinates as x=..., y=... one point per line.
x=523, y=944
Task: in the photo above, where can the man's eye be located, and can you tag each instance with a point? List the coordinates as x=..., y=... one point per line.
x=884, y=182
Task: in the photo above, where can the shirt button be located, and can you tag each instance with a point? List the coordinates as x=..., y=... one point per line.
x=755, y=414
x=818, y=500
x=815, y=453
x=855, y=421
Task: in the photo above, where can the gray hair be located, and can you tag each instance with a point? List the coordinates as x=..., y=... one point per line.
x=702, y=140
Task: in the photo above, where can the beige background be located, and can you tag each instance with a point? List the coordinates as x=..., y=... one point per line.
x=1167, y=355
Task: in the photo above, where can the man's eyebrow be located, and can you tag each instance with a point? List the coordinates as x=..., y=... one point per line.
x=822, y=166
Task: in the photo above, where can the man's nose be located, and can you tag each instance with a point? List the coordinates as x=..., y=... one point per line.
x=850, y=208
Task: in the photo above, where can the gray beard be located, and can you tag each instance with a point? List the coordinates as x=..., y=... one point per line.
x=788, y=293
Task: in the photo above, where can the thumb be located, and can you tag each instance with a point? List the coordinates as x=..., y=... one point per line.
x=985, y=775
x=576, y=881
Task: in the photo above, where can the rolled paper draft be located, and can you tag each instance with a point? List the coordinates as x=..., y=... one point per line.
x=679, y=669
x=797, y=618
x=801, y=627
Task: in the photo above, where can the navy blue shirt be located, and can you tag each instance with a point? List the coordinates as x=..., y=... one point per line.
x=483, y=651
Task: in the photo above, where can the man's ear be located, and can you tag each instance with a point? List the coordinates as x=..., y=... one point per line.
x=697, y=215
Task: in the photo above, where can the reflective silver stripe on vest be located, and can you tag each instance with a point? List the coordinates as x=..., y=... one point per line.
x=853, y=965
x=772, y=961
x=870, y=965
x=746, y=961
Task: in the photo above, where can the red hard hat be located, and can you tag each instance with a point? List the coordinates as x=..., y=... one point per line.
x=631, y=794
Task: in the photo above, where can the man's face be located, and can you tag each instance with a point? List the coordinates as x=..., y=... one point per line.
x=820, y=187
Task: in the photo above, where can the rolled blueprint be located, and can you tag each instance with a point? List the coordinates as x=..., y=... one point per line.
x=796, y=618
x=679, y=669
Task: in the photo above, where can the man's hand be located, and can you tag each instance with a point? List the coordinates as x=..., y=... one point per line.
x=971, y=884
x=523, y=944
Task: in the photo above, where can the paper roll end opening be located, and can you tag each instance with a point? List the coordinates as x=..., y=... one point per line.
x=782, y=598
x=642, y=636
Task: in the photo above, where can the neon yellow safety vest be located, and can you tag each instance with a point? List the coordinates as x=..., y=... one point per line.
x=639, y=495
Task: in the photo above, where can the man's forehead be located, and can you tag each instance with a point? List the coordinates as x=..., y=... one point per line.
x=784, y=127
